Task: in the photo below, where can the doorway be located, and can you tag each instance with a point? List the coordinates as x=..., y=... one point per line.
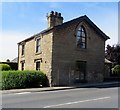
x=80, y=71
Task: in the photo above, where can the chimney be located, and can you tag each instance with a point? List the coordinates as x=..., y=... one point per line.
x=54, y=18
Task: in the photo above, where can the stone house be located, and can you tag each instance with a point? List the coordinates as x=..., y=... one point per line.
x=69, y=53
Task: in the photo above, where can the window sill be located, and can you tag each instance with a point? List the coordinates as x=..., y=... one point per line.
x=22, y=56
x=80, y=49
x=38, y=53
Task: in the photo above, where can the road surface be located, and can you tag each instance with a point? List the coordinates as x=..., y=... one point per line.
x=71, y=98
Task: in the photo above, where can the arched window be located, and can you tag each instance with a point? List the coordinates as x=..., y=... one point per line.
x=81, y=37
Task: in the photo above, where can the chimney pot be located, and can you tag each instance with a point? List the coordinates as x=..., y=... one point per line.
x=52, y=13
x=56, y=13
x=59, y=14
x=54, y=18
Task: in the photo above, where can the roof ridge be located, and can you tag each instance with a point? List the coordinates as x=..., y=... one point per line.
x=70, y=21
x=84, y=17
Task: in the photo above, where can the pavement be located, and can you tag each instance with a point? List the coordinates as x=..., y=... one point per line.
x=90, y=85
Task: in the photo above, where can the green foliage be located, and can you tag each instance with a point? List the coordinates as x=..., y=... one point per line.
x=116, y=69
x=13, y=65
x=112, y=53
x=23, y=79
x=5, y=67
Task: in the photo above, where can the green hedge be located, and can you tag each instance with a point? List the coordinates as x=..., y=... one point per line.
x=5, y=67
x=13, y=65
x=23, y=79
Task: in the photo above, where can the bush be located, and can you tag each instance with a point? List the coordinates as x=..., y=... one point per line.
x=23, y=79
x=5, y=67
x=13, y=65
x=116, y=70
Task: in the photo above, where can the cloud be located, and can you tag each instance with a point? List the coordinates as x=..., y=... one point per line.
x=9, y=48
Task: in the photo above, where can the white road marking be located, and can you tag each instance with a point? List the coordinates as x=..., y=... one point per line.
x=47, y=91
x=23, y=93
x=42, y=92
x=69, y=103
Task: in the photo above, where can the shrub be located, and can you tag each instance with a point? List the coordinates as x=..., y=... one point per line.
x=116, y=70
x=23, y=79
x=5, y=67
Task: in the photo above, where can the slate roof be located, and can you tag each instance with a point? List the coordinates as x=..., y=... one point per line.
x=15, y=60
x=76, y=20
x=35, y=35
x=79, y=19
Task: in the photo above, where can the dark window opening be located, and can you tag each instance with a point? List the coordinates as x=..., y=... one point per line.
x=38, y=65
x=22, y=66
x=81, y=37
x=23, y=49
x=38, y=45
x=81, y=70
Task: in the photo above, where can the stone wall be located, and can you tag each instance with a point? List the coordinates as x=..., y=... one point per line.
x=45, y=56
x=65, y=53
x=29, y=54
x=59, y=54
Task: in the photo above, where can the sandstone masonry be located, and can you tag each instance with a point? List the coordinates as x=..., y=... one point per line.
x=60, y=57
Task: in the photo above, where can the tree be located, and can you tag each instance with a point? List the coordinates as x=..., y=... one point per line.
x=112, y=53
x=7, y=60
x=5, y=67
x=116, y=70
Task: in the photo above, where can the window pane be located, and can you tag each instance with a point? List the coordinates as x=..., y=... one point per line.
x=79, y=29
x=23, y=49
x=38, y=45
x=82, y=29
x=38, y=41
x=80, y=38
x=79, y=42
x=38, y=48
x=83, y=34
x=78, y=33
x=83, y=39
x=83, y=45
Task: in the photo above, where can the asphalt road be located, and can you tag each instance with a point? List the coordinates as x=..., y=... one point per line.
x=71, y=98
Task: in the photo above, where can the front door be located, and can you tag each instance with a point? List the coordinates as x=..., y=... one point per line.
x=81, y=70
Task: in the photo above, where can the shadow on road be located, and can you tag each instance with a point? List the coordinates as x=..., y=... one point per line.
x=104, y=85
